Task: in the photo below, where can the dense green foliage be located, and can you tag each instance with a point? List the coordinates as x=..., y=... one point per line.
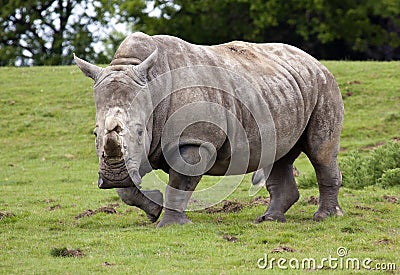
x=381, y=166
x=363, y=170
x=326, y=29
x=46, y=32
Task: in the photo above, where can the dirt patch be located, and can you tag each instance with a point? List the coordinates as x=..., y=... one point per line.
x=391, y=199
x=5, y=214
x=366, y=208
x=49, y=201
x=281, y=249
x=107, y=264
x=353, y=82
x=373, y=147
x=64, y=252
x=348, y=94
x=384, y=241
x=226, y=206
x=109, y=209
x=260, y=201
x=230, y=238
x=54, y=207
x=350, y=229
x=241, y=51
x=86, y=213
x=312, y=200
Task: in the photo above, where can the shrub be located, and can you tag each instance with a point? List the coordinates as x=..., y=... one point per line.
x=364, y=170
x=355, y=171
x=380, y=166
x=390, y=178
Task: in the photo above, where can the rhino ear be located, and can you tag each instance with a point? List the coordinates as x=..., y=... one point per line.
x=142, y=69
x=88, y=69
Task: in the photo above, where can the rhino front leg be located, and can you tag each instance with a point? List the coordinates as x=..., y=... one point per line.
x=177, y=195
x=179, y=190
x=150, y=201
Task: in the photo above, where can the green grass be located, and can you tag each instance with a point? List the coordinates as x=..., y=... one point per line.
x=48, y=174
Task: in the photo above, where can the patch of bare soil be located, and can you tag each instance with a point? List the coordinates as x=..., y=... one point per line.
x=312, y=200
x=281, y=249
x=107, y=264
x=348, y=94
x=54, y=207
x=384, y=241
x=230, y=238
x=5, y=214
x=109, y=209
x=353, y=82
x=226, y=206
x=372, y=147
x=64, y=252
x=260, y=201
x=366, y=208
x=391, y=199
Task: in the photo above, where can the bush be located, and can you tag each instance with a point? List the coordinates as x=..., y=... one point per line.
x=380, y=166
x=364, y=170
x=390, y=178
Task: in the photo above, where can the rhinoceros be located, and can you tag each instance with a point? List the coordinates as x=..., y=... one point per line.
x=227, y=109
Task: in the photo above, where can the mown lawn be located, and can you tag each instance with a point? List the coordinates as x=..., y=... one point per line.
x=49, y=198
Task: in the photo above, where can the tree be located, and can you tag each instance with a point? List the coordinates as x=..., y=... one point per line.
x=354, y=29
x=46, y=32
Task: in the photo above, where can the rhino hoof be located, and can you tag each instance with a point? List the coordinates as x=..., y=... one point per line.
x=173, y=217
x=323, y=214
x=270, y=218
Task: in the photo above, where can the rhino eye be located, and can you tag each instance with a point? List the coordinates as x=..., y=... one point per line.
x=140, y=132
x=95, y=132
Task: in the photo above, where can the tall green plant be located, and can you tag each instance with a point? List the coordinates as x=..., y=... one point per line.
x=364, y=170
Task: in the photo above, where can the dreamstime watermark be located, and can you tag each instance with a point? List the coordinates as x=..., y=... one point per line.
x=340, y=261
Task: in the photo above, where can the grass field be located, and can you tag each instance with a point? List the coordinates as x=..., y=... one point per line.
x=51, y=208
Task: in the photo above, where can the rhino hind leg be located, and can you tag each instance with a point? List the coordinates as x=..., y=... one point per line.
x=323, y=157
x=329, y=180
x=321, y=145
x=282, y=188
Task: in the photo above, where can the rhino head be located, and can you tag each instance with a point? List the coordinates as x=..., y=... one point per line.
x=122, y=139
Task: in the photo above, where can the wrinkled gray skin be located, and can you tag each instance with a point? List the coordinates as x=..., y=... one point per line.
x=305, y=104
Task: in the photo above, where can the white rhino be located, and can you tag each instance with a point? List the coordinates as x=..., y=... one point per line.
x=227, y=109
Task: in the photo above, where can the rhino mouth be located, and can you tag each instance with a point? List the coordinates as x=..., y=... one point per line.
x=113, y=174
